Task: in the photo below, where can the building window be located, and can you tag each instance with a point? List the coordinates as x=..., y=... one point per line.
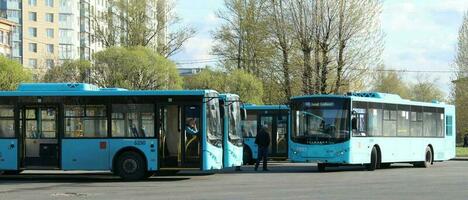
x=49, y=17
x=50, y=48
x=32, y=63
x=50, y=33
x=32, y=32
x=49, y=63
x=49, y=3
x=33, y=47
x=32, y=2
x=32, y=16
x=1, y=37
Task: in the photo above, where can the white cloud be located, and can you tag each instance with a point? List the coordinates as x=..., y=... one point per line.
x=422, y=35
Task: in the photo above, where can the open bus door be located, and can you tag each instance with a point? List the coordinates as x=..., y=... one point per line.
x=277, y=128
x=180, y=137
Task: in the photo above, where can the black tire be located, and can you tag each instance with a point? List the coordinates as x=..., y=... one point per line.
x=247, y=156
x=131, y=166
x=321, y=167
x=11, y=172
x=427, y=159
x=373, y=160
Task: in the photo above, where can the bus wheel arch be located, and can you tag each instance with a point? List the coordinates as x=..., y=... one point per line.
x=134, y=153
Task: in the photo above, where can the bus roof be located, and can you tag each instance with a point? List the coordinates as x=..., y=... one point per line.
x=376, y=97
x=84, y=89
x=229, y=96
x=265, y=107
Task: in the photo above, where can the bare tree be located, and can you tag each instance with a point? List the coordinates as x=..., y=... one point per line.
x=359, y=39
x=460, y=89
x=462, y=48
x=302, y=18
x=282, y=39
x=242, y=41
x=149, y=23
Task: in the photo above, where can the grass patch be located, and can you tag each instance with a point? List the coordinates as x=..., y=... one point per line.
x=462, y=152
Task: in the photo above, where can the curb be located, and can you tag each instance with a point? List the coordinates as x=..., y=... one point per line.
x=460, y=158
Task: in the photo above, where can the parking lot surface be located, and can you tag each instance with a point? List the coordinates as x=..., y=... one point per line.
x=447, y=180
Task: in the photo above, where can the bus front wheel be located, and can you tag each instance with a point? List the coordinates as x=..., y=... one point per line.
x=373, y=160
x=131, y=166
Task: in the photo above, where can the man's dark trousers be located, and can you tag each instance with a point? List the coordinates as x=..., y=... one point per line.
x=262, y=154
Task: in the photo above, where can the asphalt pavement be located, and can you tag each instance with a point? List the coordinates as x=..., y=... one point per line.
x=446, y=180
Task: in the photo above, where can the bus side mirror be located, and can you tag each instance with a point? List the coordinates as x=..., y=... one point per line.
x=243, y=113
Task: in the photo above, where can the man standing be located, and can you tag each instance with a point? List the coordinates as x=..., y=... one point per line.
x=263, y=141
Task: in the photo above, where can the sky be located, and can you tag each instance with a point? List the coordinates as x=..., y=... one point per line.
x=420, y=35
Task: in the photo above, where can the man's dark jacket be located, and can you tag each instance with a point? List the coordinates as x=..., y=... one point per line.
x=263, y=138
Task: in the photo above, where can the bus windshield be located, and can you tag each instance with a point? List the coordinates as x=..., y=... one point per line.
x=235, y=133
x=214, y=133
x=321, y=121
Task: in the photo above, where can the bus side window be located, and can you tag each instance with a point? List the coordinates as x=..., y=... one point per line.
x=448, y=125
x=358, y=120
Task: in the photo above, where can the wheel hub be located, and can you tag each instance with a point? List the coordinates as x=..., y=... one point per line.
x=130, y=166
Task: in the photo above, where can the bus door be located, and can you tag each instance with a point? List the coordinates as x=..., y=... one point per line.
x=277, y=128
x=8, y=139
x=180, y=136
x=266, y=121
x=39, y=138
x=281, y=138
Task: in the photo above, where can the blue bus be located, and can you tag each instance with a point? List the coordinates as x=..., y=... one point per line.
x=275, y=117
x=76, y=126
x=371, y=129
x=232, y=135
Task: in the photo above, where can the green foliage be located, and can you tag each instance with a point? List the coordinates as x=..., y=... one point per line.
x=389, y=82
x=207, y=79
x=460, y=89
x=247, y=86
x=75, y=71
x=426, y=91
x=462, y=152
x=134, y=68
x=12, y=74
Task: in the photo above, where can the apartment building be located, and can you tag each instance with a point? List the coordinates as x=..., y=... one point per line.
x=48, y=32
x=51, y=31
x=6, y=27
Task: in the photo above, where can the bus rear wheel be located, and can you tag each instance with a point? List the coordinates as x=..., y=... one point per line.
x=427, y=159
x=131, y=166
x=373, y=160
x=247, y=157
